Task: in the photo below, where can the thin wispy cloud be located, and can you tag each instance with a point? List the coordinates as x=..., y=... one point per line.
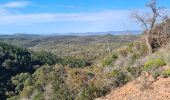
x=92, y=17
x=59, y=16
x=16, y=4
x=12, y=7
x=108, y=20
x=69, y=6
x=103, y=17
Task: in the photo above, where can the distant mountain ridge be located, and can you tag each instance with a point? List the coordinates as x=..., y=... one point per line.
x=99, y=33
x=22, y=35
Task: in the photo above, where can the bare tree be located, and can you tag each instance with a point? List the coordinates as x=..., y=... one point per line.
x=108, y=47
x=149, y=20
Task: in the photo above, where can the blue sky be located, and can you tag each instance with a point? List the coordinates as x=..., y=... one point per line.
x=63, y=16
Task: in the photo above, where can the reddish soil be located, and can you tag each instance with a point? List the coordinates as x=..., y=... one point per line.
x=144, y=88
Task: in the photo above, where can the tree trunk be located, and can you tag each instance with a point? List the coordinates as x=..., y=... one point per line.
x=149, y=45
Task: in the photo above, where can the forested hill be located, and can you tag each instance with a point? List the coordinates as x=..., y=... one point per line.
x=14, y=60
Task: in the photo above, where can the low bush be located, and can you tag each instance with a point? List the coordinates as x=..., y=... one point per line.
x=27, y=91
x=91, y=92
x=73, y=63
x=13, y=98
x=123, y=51
x=108, y=60
x=154, y=64
x=119, y=77
x=153, y=67
x=38, y=96
x=134, y=71
x=20, y=81
x=166, y=73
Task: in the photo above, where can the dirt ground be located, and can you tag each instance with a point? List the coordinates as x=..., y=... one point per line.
x=144, y=88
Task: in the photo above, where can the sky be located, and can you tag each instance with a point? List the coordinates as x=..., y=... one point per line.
x=65, y=16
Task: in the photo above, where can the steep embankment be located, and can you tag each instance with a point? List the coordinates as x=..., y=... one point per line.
x=144, y=88
x=156, y=65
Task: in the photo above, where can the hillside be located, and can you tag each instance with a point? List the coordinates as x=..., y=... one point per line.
x=84, y=67
x=90, y=48
x=15, y=61
x=153, y=82
x=75, y=78
x=137, y=90
x=68, y=50
x=61, y=76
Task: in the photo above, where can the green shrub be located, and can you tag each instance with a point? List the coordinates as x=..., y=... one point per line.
x=27, y=91
x=21, y=80
x=108, y=60
x=120, y=77
x=91, y=92
x=166, y=73
x=114, y=73
x=114, y=55
x=134, y=71
x=73, y=62
x=154, y=64
x=38, y=96
x=13, y=98
x=156, y=73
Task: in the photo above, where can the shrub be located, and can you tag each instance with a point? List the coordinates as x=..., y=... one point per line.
x=108, y=60
x=154, y=64
x=114, y=55
x=72, y=62
x=166, y=73
x=156, y=73
x=134, y=71
x=27, y=91
x=153, y=67
x=120, y=77
x=141, y=47
x=123, y=51
x=144, y=49
x=13, y=98
x=20, y=80
x=38, y=96
x=91, y=92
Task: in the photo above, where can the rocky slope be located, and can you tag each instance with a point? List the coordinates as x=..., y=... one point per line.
x=144, y=88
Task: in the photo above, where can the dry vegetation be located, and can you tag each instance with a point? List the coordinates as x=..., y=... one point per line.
x=90, y=67
x=83, y=47
x=75, y=79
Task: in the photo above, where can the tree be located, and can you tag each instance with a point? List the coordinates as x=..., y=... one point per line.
x=149, y=21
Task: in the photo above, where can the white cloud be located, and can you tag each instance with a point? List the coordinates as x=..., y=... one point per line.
x=11, y=7
x=104, y=18
x=92, y=17
x=69, y=6
x=98, y=20
x=16, y=4
x=110, y=19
